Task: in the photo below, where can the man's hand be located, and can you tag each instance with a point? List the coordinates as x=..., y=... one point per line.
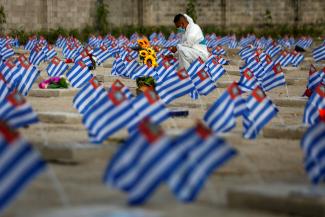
x=173, y=49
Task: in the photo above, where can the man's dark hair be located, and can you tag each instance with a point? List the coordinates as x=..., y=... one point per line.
x=178, y=17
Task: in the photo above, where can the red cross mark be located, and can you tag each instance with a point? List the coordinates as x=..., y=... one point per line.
x=150, y=131
x=202, y=130
x=248, y=74
x=9, y=134
x=277, y=68
x=82, y=64
x=16, y=99
x=55, y=61
x=258, y=94
x=24, y=61
x=202, y=75
x=117, y=85
x=320, y=89
x=10, y=63
x=233, y=90
x=94, y=82
x=116, y=96
x=151, y=96
x=182, y=74
x=268, y=59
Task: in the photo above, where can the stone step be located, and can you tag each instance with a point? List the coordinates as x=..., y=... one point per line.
x=287, y=199
x=60, y=117
x=284, y=132
x=52, y=92
x=74, y=153
x=290, y=101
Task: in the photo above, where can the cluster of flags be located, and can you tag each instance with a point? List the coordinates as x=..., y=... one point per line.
x=313, y=141
x=149, y=158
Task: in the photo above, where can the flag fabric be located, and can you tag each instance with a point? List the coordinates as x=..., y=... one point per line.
x=297, y=58
x=221, y=116
x=108, y=115
x=142, y=163
x=273, y=50
x=102, y=54
x=214, y=68
x=49, y=52
x=285, y=58
x=319, y=53
x=149, y=105
x=6, y=52
x=248, y=81
x=315, y=103
x=27, y=75
x=204, y=154
x=260, y=111
x=89, y=95
x=4, y=90
x=118, y=66
x=79, y=74
x=131, y=66
x=83, y=56
x=174, y=86
x=200, y=78
x=118, y=85
x=144, y=71
x=37, y=55
x=315, y=77
x=273, y=78
x=165, y=69
x=16, y=112
x=8, y=69
x=56, y=67
x=20, y=164
x=313, y=147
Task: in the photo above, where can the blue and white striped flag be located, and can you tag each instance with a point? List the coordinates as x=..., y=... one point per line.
x=89, y=95
x=200, y=78
x=20, y=164
x=6, y=52
x=16, y=112
x=297, y=58
x=8, y=69
x=319, y=53
x=315, y=77
x=102, y=54
x=143, y=162
x=221, y=116
x=144, y=71
x=315, y=103
x=247, y=81
x=27, y=75
x=56, y=67
x=79, y=74
x=204, y=154
x=148, y=104
x=174, y=86
x=4, y=90
x=215, y=69
x=260, y=111
x=273, y=78
x=108, y=115
x=313, y=147
x=37, y=55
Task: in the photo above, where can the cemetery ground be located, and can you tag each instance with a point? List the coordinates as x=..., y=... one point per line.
x=266, y=179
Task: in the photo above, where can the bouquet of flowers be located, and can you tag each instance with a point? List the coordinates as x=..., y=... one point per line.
x=147, y=53
x=54, y=83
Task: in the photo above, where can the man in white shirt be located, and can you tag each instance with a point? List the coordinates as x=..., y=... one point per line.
x=192, y=45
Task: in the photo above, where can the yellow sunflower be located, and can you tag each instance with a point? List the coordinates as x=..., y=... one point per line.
x=150, y=61
x=151, y=51
x=143, y=53
x=144, y=43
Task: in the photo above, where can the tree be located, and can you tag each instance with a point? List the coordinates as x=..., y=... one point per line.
x=2, y=18
x=190, y=9
x=101, y=17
